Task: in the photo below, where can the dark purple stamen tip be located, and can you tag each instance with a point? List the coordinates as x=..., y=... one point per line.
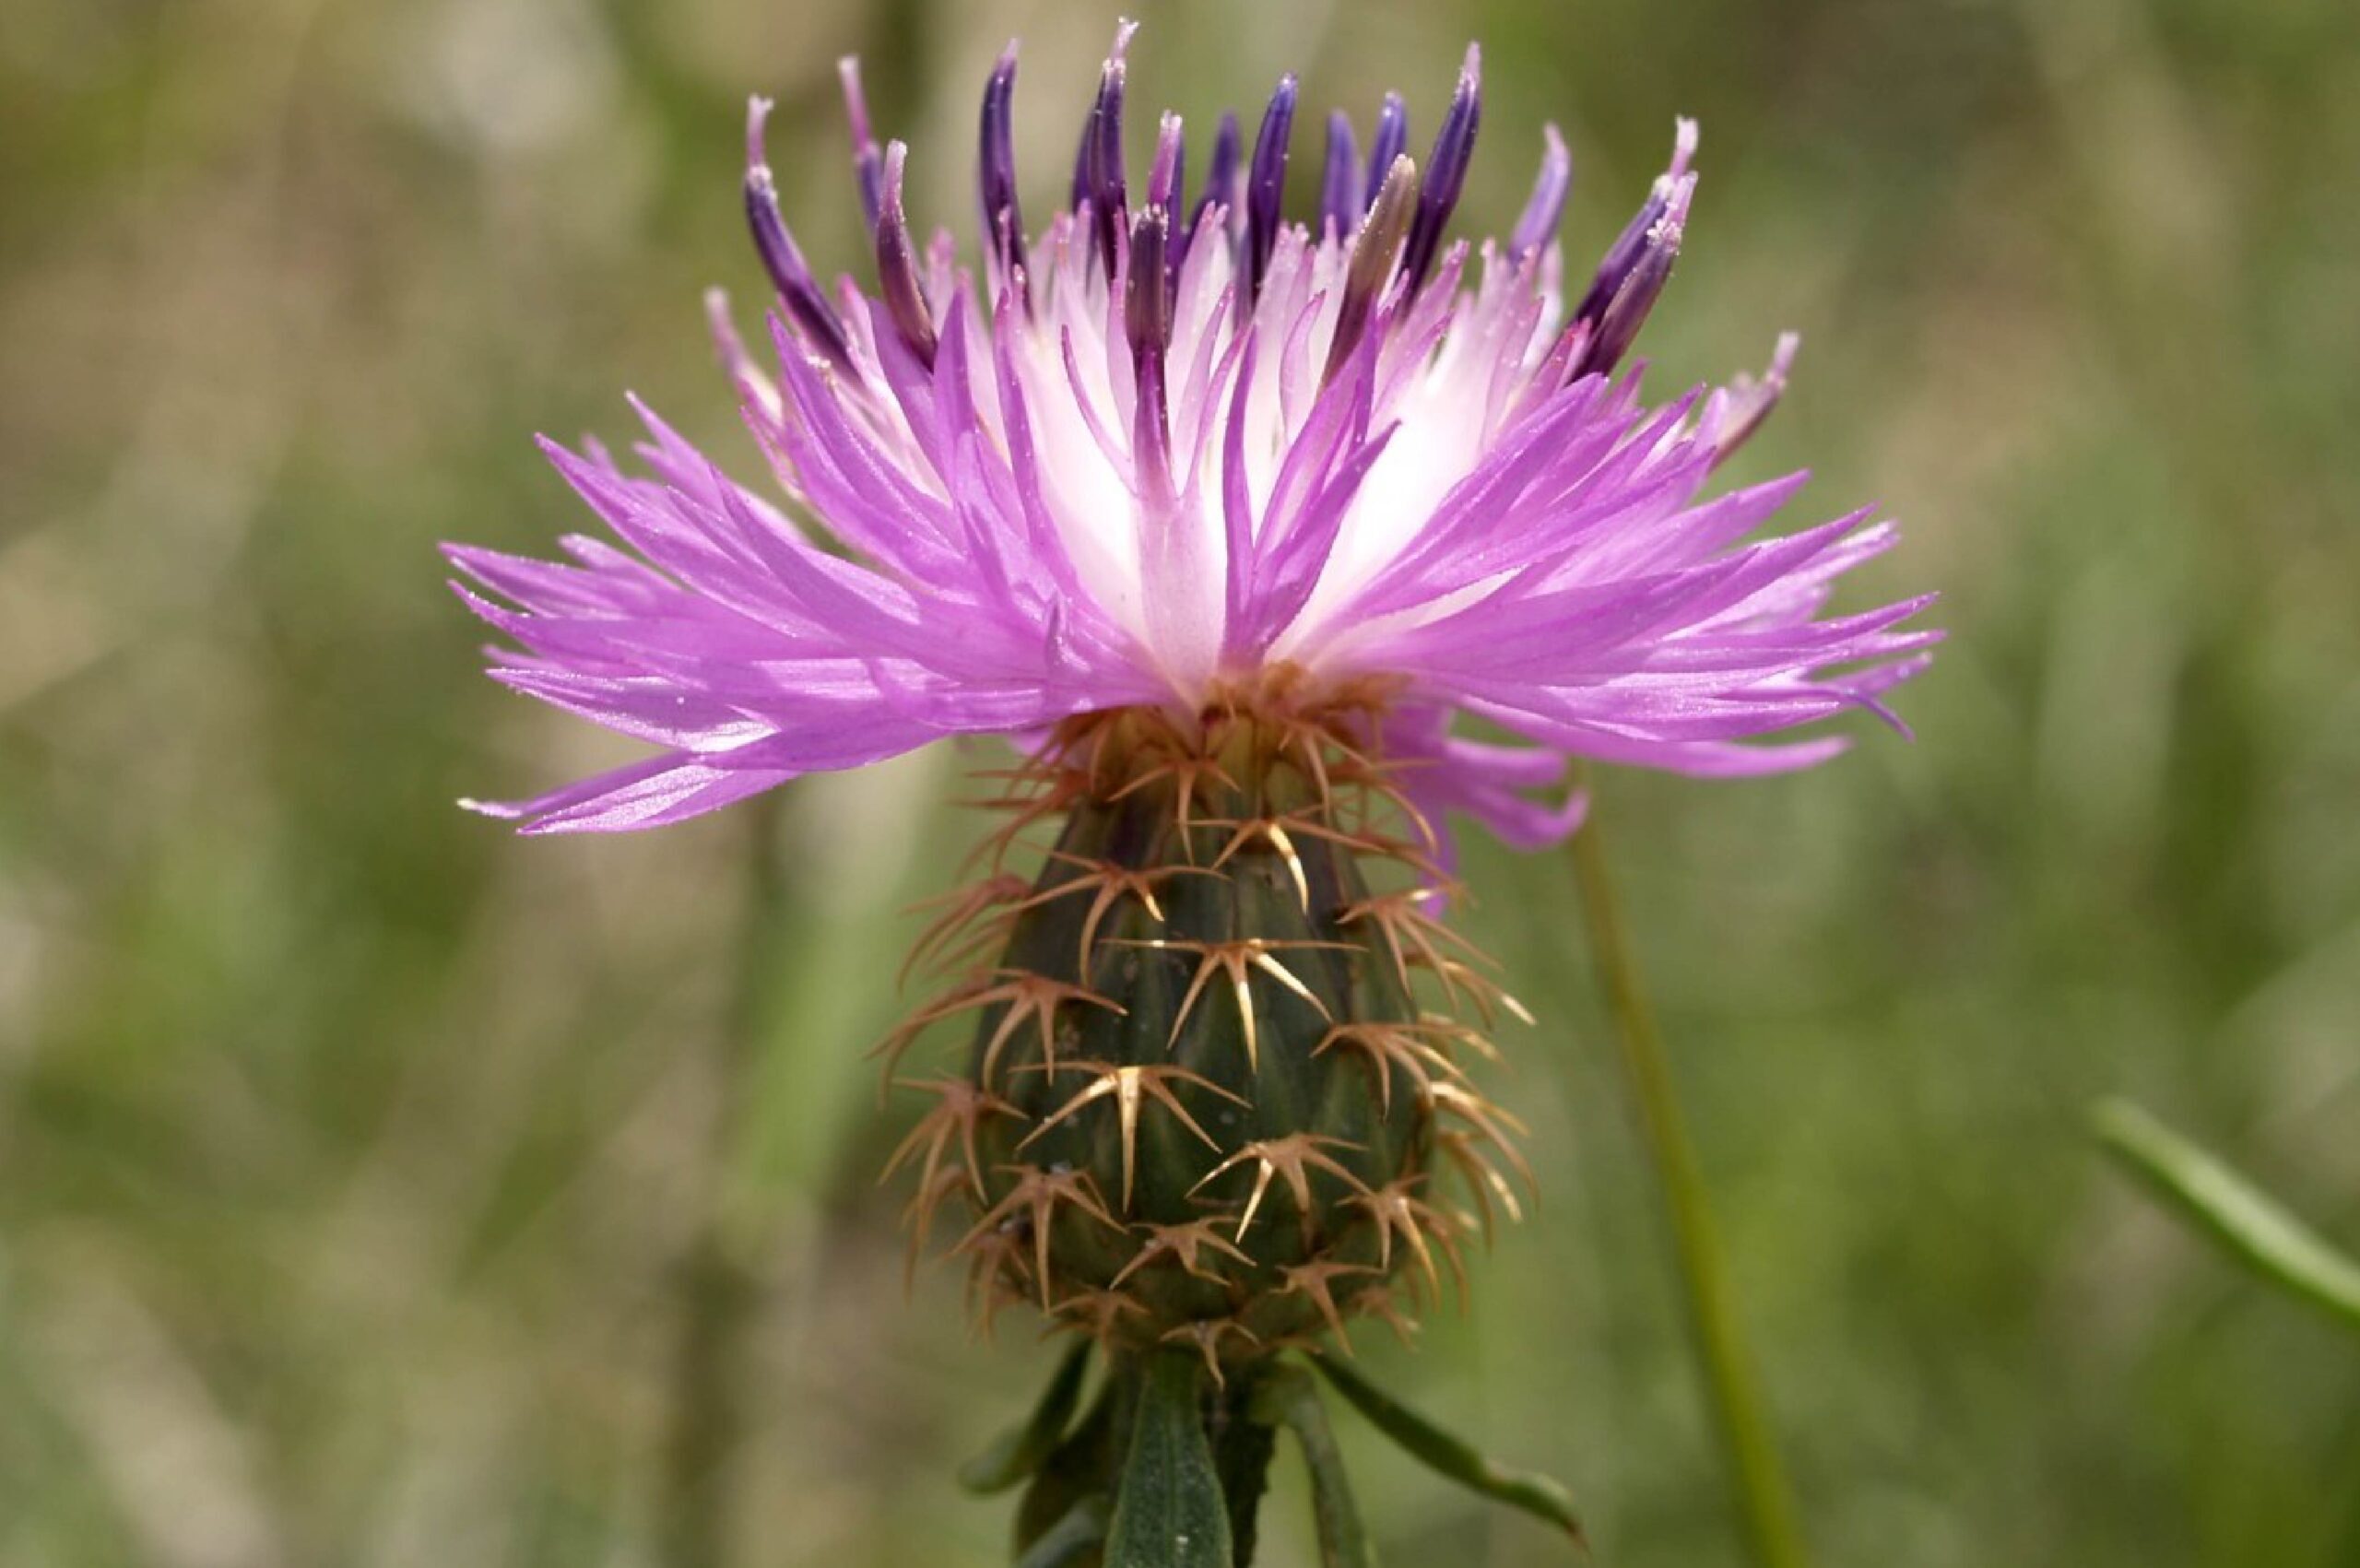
x=1265, y=183
x=868, y=167
x=1446, y=171
x=1375, y=250
x=897, y=265
x=1085, y=161
x=1098, y=162
x=1342, y=194
x=1623, y=254
x=1221, y=177
x=1147, y=288
x=1617, y=324
x=996, y=174
x=1538, y=224
x=1151, y=427
x=790, y=274
x=1392, y=141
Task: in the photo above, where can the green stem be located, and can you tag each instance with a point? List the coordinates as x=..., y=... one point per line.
x=1286, y=1395
x=1756, y=1478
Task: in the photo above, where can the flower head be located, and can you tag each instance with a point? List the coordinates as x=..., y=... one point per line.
x=1230, y=520
x=1178, y=450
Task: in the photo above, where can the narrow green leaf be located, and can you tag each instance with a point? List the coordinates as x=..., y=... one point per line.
x=1537, y=1495
x=1019, y=1452
x=2231, y=1209
x=1288, y=1395
x=1169, y=1511
x=1072, y=1538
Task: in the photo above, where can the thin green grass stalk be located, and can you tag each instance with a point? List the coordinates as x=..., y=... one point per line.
x=1756, y=1477
x=2252, y=1226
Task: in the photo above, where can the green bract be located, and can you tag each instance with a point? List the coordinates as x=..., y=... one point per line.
x=1205, y=1095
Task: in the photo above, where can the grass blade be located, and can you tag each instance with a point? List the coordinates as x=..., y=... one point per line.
x=1733, y=1393
x=2231, y=1209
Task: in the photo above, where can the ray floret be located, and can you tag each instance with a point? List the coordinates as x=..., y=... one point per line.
x=1143, y=459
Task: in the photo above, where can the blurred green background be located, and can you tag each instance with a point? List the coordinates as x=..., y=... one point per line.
x=377, y=1188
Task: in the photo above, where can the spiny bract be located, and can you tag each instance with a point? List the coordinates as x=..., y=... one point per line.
x=1214, y=1065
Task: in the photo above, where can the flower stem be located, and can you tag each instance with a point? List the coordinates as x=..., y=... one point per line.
x=1756, y=1478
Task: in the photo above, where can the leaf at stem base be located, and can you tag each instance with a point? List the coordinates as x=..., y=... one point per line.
x=1169, y=1511
x=1449, y=1456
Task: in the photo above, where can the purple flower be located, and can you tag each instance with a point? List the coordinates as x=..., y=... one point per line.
x=1177, y=450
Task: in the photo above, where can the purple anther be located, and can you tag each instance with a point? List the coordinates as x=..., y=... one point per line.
x=1392, y=141
x=1375, y=250
x=1265, y=183
x=1147, y=289
x=1445, y=172
x=1167, y=182
x=1098, y=162
x=790, y=274
x=1621, y=256
x=996, y=168
x=1221, y=178
x=868, y=165
x=1538, y=224
x=897, y=265
x=1146, y=317
x=1343, y=196
x=1618, y=322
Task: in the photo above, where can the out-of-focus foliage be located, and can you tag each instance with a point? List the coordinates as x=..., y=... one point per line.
x=376, y=1188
